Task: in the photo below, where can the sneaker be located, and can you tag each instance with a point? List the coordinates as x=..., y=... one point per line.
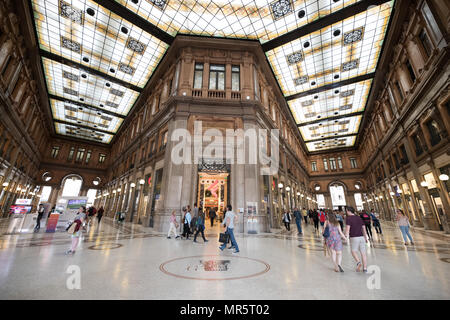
x=206, y=240
x=68, y=252
x=169, y=238
x=177, y=237
x=412, y=243
x=235, y=252
x=365, y=270
x=230, y=248
x=221, y=249
x=195, y=241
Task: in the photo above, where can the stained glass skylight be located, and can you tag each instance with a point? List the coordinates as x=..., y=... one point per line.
x=80, y=86
x=86, y=33
x=81, y=115
x=326, y=75
x=245, y=19
x=82, y=133
x=330, y=129
x=341, y=51
x=331, y=103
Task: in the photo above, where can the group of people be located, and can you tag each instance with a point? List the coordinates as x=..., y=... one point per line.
x=357, y=231
x=196, y=223
x=317, y=217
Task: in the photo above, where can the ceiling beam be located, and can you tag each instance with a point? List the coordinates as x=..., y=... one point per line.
x=79, y=66
x=321, y=23
x=332, y=137
x=83, y=126
x=135, y=19
x=87, y=106
x=331, y=86
x=348, y=115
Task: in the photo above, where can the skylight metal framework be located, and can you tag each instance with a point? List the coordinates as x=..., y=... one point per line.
x=98, y=55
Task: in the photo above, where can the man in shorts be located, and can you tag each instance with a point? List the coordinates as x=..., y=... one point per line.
x=356, y=232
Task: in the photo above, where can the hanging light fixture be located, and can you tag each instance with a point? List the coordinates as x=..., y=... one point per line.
x=443, y=177
x=280, y=185
x=5, y=184
x=142, y=181
x=288, y=189
x=298, y=193
x=132, y=185
x=424, y=184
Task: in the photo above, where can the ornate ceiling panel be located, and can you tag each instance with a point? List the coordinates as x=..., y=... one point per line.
x=82, y=133
x=245, y=19
x=86, y=33
x=329, y=129
x=331, y=103
x=341, y=51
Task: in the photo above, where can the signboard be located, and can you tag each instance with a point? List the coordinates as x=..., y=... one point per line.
x=76, y=203
x=20, y=209
x=52, y=221
x=23, y=201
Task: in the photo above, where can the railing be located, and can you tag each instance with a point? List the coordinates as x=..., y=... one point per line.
x=236, y=95
x=216, y=94
x=196, y=92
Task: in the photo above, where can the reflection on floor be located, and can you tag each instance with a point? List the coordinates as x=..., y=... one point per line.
x=123, y=261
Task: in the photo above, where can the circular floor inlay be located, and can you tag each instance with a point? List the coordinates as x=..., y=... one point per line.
x=214, y=267
x=105, y=246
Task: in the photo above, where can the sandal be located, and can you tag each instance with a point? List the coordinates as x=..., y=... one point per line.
x=340, y=268
x=358, y=267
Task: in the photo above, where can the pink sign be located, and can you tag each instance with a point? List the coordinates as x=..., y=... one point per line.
x=52, y=222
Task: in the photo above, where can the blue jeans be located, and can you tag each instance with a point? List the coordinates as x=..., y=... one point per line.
x=405, y=232
x=233, y=240
x=298, y=222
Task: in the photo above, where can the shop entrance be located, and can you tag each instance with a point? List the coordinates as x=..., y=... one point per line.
x=213, y=191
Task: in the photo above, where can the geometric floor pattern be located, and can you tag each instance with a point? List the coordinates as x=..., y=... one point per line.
x=123, y=261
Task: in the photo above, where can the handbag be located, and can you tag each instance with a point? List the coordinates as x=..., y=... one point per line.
x=72, y=227
x=223, y=237
x=326, y=232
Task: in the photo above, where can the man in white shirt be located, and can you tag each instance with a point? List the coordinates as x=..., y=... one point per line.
x=228, y=222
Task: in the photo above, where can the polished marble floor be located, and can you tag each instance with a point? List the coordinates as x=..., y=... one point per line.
x=121, y=261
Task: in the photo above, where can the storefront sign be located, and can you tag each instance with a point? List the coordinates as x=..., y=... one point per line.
x=23, y=201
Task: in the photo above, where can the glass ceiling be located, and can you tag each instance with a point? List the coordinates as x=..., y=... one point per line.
x=245, y=19
x=88, y=103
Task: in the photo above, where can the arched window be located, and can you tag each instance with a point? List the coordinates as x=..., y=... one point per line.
x=71, y=186
x=337, y=195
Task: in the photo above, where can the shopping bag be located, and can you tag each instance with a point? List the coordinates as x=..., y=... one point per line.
x=223, y=237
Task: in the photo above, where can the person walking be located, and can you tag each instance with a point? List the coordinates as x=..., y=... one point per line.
x=229, y=220
x=186, y=223
x=403, y=224
x=305, y=215
x=298, y=220
x=173, y=226
x=375, y=222
x=41, y=211
x=334, y=241
x=367, y=223
x=355, y=231
x=322, y=219
x=100, y=214
x=315, y=218
x=287, y=220
x=212, y=216
x=200, y=226
x=75, y=229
